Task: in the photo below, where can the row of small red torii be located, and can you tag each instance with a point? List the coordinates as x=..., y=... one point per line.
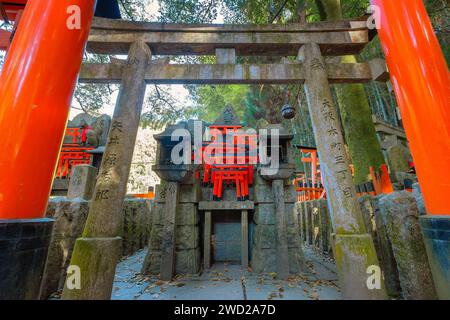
x=312, y=187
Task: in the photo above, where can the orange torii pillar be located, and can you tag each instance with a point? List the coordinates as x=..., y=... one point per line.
x=36, y=87
x=420, y=78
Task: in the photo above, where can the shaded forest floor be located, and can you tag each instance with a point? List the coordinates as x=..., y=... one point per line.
x=228, y=282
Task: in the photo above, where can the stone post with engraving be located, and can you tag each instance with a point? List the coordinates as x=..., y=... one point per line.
x=354, y=249
x=96, y=253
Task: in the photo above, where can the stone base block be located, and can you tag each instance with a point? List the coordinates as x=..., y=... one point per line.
x=265, y=236
x=186, y=194
x=259, y=180
x=23, y=251
x=417, y=193
x=375, y=224
x=265, y=260
x=436, y=232
x=228, y=193
x=82, y=182
x=265, y=213
x=187, y=214
x=401, y=217
x=96, y=259
x=136, y=225
x=263, y=194
x=354, y=254
x=186, y=261
x=187, y=237
x=70, y=217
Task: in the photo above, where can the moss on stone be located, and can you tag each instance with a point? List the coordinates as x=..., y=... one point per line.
x=360, y=135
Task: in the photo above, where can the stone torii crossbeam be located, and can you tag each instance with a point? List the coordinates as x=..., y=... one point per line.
x=311, y=43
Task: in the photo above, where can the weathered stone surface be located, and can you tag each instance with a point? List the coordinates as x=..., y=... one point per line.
x=187, y=237
x=402, y=176
x=70, y=217
x=52, y=205
x=315, y=223
x=417, y=193
x=263, y=194
x=97, y=253
x=367, y=211
x=187, y=214
x=325, y=227
x=354, y=254
x=82, y=182
x=398, y=160
x=308, y=222
x=105, y=212
x=98, y=136
x=97, y=259
x=228, y=193
x=377, y=228
x=296, y=260
x=23, y=250
x=206, y=193
x=299, y=213
x=264, y=260
x=436, y=232
x=186, y=262
x=187, y=193
x=136, y=226
x=401, y=215
x=265, y=236
x=304, y=222
x=265, y=213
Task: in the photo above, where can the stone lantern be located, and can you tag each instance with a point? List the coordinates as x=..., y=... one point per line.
x=165, y=168
x=286, y=165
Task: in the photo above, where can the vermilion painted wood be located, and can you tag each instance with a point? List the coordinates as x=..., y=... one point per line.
x=420, y=78
x=12, y=7
x=36, y=88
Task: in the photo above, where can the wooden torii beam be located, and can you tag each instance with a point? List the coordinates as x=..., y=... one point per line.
x=290, y=73
x=334, y=38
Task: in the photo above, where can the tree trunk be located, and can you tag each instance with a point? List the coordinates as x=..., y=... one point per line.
x=360, y=135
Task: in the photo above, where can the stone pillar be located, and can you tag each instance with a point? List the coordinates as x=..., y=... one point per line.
x=264, y=253
x=383, y=246
x=436, y=233
x=244, y=239
x=70, y=216
x=136, y=225
x=207, y=240
x=315, y=223
x=324, y=226
x=354, y=249
x=187, y=231
x=298, y=217
x=98, y=251
x=82, y=182
x=281, y=230
x=419, y=199
x=308, y=218
x=401, y=215
x=168, y=233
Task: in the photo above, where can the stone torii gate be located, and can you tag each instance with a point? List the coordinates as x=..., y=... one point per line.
x=97, y=251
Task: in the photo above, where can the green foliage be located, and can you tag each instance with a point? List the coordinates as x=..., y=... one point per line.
x=254, y=103
x=439, y=11
x=188, y=11
x=210, y=101
x=92, y=97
